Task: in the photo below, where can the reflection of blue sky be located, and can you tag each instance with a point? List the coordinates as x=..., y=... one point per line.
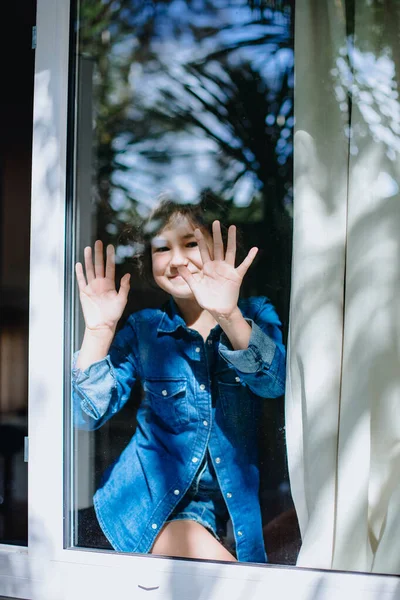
x=371, y=80
x=185, y=162
x=183, y=176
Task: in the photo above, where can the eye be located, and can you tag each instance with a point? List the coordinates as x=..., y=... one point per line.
x=161, y=249
x=192, y=245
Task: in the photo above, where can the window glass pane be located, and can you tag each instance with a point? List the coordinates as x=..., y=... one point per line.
x=188, y=106
x=15, y=187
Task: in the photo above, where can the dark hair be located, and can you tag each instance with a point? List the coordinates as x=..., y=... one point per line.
x=165, y=213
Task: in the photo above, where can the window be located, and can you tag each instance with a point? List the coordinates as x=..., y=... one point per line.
x=194, y=106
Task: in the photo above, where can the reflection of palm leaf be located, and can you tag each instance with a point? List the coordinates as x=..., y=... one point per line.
x=240, y=111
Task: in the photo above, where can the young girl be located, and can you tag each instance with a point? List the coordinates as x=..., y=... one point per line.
x=205, y=361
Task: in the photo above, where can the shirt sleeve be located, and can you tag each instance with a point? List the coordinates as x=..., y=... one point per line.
x=102, y=389
x=261, y=366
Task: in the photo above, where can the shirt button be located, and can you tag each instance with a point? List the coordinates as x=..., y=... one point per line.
x=229, y=495
x=164, y=392
x=176, y=492
x=197, y=349
x=202, y=386
x=237, y=379
x=240, y=533
x=218, y=460
x=195, y=459
x=209, y=342
x=205, y=423
x=154, y=526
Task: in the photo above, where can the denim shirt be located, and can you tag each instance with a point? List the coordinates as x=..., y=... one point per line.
x=187, y=408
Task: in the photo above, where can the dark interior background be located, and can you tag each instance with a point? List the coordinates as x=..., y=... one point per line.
x=16, y=114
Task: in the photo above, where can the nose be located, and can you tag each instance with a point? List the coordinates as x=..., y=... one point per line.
x=178, y=258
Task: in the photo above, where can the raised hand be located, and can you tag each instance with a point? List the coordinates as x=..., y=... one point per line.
x=102, y=305
x=216, y=288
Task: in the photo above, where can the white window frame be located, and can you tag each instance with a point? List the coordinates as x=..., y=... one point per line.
x=45, y=569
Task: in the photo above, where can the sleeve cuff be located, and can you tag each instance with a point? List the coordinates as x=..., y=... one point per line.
x=259, y=354
x=94, y=382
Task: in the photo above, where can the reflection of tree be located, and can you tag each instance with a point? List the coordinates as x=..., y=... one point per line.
x=194, y=99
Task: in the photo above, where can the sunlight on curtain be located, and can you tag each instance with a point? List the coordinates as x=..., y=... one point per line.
x=343, y=429
x=316, y=320
x=368, y=497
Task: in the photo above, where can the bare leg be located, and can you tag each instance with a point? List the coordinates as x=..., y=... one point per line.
x=189, y=539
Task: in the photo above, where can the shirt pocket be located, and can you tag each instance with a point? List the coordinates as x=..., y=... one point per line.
x=168, y=401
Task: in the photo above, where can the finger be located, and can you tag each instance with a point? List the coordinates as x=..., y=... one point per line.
x=187, y=276
x=110, y=262
x=243, y=267
x=124, y=287
x=231, y=246
x=80, y=278
x=88, y=264
x=204, y=250
x=98, y=258
x=218, y=243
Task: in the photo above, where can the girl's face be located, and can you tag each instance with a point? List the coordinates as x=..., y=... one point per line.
x=172, y=247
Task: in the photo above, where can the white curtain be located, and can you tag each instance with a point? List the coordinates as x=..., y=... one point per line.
x=343, y=379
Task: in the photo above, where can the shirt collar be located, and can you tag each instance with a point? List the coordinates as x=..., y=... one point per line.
x=171, y=319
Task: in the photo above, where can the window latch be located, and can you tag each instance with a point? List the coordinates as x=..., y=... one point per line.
x=26, y=449
x=34, y=37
